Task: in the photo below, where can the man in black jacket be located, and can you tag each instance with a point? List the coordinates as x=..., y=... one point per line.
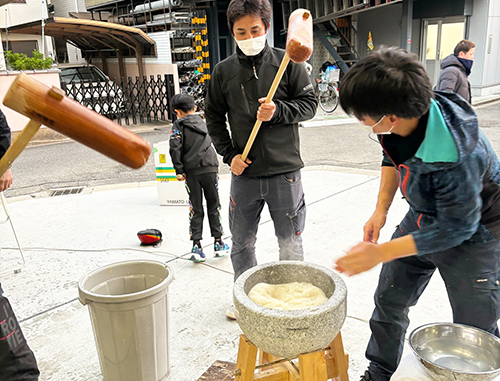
x=271, y=174
x=17, y=361
x=195, y=161
x=456, y=68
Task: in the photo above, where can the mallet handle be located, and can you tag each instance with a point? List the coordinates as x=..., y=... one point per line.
x=18, y=145
x=52, y=108
x=269, y=98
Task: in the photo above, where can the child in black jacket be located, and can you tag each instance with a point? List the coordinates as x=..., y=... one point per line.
x=195, y=161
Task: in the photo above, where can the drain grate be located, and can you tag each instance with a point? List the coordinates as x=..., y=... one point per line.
x=65, y=191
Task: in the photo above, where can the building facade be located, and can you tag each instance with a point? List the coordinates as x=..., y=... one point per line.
x=428, y=28
x=21, y=12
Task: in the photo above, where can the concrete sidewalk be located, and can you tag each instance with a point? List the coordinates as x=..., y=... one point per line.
x=65, y=237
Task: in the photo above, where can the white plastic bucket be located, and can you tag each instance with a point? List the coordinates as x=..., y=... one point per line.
x=129, y=311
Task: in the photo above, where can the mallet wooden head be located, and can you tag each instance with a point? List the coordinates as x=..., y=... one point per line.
x=50, y=107
x=299, y=40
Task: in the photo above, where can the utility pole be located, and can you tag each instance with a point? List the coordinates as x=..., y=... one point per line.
x=6, y=30
x=43, y=29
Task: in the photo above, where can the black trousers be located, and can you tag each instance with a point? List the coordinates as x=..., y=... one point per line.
x=17, y=361
x=471, y=273
x=204, y=184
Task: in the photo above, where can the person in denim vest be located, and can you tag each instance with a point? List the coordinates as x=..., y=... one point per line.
x=271, y=174
x=449, y=174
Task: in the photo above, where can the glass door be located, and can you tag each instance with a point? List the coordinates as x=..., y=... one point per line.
x=440, y=38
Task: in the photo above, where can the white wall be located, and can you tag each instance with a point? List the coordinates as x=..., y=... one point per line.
x=16, y=14
x=22, y=13
x=491, y=74
x=485, y=21
x=74, y=54
x=163, y=49
x=62, y=8
x=478, y=29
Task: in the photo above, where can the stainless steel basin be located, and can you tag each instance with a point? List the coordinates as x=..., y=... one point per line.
x=456, y=352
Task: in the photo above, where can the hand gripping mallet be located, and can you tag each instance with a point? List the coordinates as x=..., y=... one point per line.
x=299, y=47
x=51, y=107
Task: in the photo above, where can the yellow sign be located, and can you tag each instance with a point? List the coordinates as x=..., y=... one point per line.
x=370, y=41
x=162, y=158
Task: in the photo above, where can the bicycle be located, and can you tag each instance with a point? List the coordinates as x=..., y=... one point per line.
x=326, y=89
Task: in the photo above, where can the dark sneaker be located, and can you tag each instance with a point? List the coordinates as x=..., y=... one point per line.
x=220, y=249
x=197, y=254
x=366, y=377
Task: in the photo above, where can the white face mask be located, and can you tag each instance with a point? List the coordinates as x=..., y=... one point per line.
x=252, y=46
x=371, y=128
x=383, y=133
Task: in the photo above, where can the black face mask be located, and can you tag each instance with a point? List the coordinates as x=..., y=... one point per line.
x=467, y=64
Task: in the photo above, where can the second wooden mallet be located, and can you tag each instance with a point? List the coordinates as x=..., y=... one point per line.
x=299, y=47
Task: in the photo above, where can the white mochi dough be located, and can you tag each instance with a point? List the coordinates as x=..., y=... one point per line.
x=287, y=296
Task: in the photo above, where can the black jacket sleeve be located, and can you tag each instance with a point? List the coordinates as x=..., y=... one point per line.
x=4, y=134
x=176, y=137
x=216, y=109
x=448, y=80
x=302, y=103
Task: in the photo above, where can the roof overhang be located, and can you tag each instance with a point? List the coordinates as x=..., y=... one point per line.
x=5, y=2
x=90, y=35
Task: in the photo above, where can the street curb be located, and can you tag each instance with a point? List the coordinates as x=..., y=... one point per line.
x=152, y=183
x=481, y=102
x=328, y=122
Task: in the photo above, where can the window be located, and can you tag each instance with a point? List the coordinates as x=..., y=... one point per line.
x=25, y=47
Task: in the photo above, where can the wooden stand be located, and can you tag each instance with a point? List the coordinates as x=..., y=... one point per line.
x=322, y=365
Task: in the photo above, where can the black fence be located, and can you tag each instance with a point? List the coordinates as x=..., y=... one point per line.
x=130, y=101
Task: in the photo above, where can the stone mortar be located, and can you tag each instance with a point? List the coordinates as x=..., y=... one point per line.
x=291, y=333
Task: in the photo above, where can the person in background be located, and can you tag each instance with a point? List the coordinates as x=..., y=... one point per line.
x=271, y=174
x=455, y=69
x=17, y=361
x=195, y=161
x=449, y=174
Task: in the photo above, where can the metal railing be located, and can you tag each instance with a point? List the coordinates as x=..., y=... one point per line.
x=133, y=100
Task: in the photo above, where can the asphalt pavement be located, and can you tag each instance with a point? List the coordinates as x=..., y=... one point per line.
x=328, y=139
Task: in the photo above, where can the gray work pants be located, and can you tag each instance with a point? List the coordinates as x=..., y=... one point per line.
x=284, y=197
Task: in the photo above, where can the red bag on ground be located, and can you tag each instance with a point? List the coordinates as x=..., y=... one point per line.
x=149, y=237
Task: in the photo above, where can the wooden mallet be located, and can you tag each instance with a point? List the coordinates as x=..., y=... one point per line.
x=299, y=47
x=51, y=107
